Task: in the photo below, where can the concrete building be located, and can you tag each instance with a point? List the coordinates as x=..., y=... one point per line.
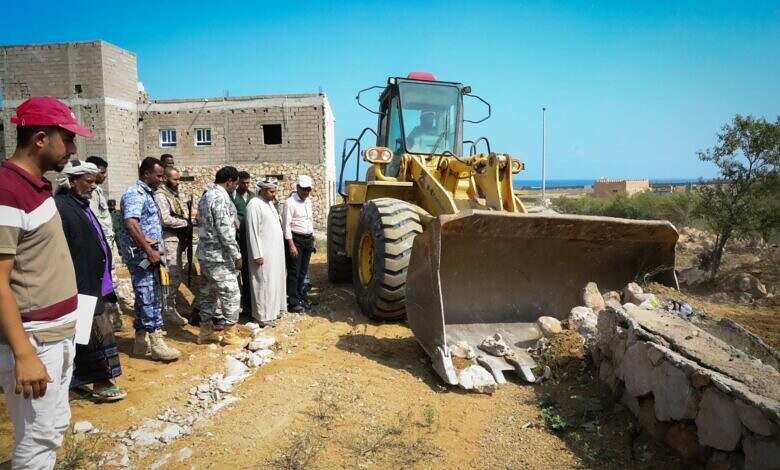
x=98, y=80
x=604, y=187
x=280, y=135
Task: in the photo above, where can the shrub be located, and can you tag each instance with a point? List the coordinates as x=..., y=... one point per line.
x=674, y=207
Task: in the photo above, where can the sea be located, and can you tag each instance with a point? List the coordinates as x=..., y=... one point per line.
x=524, y=183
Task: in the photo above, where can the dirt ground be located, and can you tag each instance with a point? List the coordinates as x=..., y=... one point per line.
x=345, y=392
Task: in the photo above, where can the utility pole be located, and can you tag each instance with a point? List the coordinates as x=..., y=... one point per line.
x=544, y=156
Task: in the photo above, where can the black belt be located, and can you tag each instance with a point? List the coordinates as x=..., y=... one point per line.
x=303, y=235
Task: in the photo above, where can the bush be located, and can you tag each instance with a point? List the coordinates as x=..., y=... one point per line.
x=675, y=207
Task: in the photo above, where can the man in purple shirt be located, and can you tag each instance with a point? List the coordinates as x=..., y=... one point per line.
x=96, y=363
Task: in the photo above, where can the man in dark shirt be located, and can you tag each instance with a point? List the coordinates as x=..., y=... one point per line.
x=241, y=198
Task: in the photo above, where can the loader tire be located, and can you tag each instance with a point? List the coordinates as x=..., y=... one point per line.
x=380, y=256
x=339, y=265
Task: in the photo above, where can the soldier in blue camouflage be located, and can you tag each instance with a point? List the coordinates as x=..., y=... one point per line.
x=140, y=241
x=220, y=259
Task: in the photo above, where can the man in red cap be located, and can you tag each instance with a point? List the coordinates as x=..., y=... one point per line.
x=38, y=296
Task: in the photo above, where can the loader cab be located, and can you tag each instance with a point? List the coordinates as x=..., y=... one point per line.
x=419, y=115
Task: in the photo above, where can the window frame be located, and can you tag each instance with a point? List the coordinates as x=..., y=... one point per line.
x=281, y=133
x=169, y=142
x=203, y=142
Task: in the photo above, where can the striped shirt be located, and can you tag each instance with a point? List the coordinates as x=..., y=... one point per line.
x=43, y=280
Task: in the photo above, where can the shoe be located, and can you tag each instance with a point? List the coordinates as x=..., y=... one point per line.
x=141, y=346
x=207, y=334
x=218, y=323
x=160, y=350
x=172, y=317
x=195, y=317
x=230, y=337
x=296, y=309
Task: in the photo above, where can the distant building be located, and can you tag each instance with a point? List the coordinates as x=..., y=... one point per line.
x=604, y=187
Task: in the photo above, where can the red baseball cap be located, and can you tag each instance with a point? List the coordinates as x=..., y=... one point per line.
x=48, y=111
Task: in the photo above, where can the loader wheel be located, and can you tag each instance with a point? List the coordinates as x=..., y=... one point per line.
x=339, y=265
x=380, y=258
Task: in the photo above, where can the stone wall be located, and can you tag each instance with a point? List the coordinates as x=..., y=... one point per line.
x=288, y=172
x=704, y=398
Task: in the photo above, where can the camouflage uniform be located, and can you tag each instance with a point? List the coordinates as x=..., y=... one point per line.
x=173, y=218
x=99, y=205
x=138, y=202
x=217, y=252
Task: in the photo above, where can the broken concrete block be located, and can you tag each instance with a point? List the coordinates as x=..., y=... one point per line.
x=477, y=378
x=591, y=297
x=261, y=342
x=549, y=326
x=496, y=346
x=718, y=422
x=583, y=320
x=761, y=453
x=674, y=396
x=637, y=370
x=755, y=420
x=462, y=349
x=234, y=368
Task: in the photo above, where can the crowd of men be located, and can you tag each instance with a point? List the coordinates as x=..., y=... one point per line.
x=58, y=278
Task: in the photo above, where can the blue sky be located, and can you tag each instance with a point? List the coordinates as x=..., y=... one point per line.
x=634, y=89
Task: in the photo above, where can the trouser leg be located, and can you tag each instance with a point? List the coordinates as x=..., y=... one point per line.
x=173, y=264
x=39, y=424
x=148, y=292
x=305, y=248
x=223, y=286
x=293, y=266
x=246, y=282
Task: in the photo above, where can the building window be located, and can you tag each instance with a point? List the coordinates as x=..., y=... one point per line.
x=167, y=137
x=202, y=136
x=272, y=134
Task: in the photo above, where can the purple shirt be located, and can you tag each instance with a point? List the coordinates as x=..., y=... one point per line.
x=107, y=286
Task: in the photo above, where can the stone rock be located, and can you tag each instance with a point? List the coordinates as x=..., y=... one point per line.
x=265, y=354
x=761, y=453
x=591, y=297
x=171, y=432
x=234, y=368
x=648, y=421
x=81, y=427
x=631, y=293
x=612, y=299
x=183, y=454
x=477, y=378
x=718, y=422
x=682, y=438
x=262, y=342
x=143, y=437
x=692, y=277
x=749, y=284
x=462, y=349
x=251, y=326
x=607, y=375
x=637, y=370
x=700, y=379
x=630, y=402
x=583, y=320
x=549, y=326
x=123, y=455
x=754, y=419
x=674, y=396
x=496, y=346
x=650, y=302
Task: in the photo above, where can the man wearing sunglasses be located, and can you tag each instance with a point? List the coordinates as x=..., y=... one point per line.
x=298, y=227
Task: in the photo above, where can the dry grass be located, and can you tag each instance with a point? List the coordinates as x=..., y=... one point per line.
x=79, y=451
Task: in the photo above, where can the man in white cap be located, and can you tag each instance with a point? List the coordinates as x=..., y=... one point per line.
x=265, y=246
x=298, y=227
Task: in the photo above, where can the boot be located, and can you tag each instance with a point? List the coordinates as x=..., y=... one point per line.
x=231, y=338
x=172, y=317
x=141, y=344
x=160, y=350
x=207, y=333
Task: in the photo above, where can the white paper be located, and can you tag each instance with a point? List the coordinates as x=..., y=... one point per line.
x=84, y=313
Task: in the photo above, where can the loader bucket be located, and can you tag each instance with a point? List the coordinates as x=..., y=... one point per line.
x=478, y=273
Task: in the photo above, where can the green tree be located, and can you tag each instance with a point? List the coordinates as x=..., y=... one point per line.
x=744, y=202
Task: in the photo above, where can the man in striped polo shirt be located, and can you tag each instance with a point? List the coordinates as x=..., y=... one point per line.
x=38, y=295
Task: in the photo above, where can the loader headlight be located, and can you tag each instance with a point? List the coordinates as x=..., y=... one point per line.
x=378, y=155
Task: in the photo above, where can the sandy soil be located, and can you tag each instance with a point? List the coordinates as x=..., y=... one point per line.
x=345, y=392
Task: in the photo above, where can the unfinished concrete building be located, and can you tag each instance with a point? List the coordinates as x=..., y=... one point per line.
x=606, y=187
x=280, y=135
x=98, y=80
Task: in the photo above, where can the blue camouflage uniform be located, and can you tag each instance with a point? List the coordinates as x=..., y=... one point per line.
x=217, y=253
x=138, y=203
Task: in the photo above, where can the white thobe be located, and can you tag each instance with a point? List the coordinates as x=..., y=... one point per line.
x=265, y=240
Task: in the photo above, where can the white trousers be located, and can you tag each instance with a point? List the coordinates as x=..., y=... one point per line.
x=39, y=424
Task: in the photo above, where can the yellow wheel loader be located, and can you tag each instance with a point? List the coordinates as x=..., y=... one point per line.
x=437, y=235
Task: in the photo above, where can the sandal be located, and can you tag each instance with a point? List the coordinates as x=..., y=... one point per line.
x=107, y=395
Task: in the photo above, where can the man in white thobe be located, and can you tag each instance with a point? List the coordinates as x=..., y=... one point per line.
x=265, y=244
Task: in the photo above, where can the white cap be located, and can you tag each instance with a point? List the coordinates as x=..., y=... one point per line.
x=303, y=181
x=269, y=182
x=78, y=168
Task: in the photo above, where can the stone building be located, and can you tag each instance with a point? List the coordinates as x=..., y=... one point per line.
x=280, y=135
x=606, y=187
x=98, y=80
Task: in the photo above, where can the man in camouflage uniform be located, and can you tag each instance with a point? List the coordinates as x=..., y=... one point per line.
x=141, y=237
x=175, y=228
x=220, y=259
x=99, y=206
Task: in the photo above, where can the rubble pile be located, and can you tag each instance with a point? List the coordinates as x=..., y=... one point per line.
x=706, y=399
